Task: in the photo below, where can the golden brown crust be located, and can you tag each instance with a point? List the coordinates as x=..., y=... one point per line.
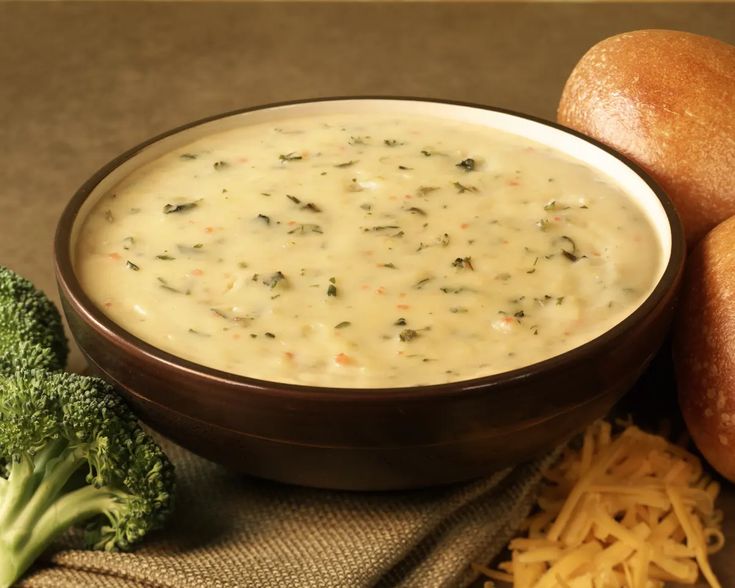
x=704, y=347
x=667, y=100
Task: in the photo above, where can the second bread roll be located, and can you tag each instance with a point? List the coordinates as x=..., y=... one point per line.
x=704, y=347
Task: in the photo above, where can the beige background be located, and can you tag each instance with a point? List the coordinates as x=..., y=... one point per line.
x=81, y=82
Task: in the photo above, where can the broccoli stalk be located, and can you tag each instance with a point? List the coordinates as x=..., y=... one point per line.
x=72, y=452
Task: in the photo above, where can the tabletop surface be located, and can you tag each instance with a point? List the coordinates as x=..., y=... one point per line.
x=82, y=82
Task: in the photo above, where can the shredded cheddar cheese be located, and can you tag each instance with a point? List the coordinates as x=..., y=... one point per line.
x=631, y=511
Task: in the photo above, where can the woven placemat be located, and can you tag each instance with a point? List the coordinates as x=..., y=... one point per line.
x=231, y=530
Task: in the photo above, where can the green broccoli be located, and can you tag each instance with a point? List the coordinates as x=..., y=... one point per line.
x=31, y=333
x=72, y=452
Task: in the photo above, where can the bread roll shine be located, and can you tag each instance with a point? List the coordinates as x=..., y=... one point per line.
x=704, y=347
x=666, y=99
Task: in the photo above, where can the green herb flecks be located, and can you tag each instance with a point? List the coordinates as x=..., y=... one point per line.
x=128, y=242
x=293, y=156
x=304, y=228
x=416, y=210
x=428, y=152
x=220, y=165
x=165, y=257
x=378, y=228
x=132, y=266
x=421, y=283
x=198, y=333
x=424, y=190
x=458, y=309
x=441, y=241
x=461, y=188
x=342, y=325
x=310, y=206
x=570, y=255
x=166, y=286
x=463, y=263
x=552, y=205
x=171, y=208
x=358, y=140
x=332, y=288
x=347, y=163
x=264, y=218
x=232, y=318
x=401, y=322
x=275, y=279
x=388, y=265
x=392, y=142
x=408, y=335
x=195, y=249
x=188, y=156
x=109, y=216
x=467, y=165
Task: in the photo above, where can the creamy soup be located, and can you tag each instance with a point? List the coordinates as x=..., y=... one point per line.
x=366, y=251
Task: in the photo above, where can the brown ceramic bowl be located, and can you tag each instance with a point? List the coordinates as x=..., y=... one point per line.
x=375, y=439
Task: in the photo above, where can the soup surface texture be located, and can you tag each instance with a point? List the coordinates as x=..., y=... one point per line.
x=366, y=251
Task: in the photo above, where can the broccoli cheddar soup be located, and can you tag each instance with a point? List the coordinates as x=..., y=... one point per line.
x=366, y=251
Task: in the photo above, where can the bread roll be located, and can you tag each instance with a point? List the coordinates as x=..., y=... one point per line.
x=666, y=99
x=704, y=347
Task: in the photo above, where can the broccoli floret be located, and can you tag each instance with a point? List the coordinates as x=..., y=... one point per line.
x=31, y=332
x=73, y=454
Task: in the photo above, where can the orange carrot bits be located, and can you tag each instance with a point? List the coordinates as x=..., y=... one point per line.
x=197, y=272
x=115, y=256
x=343, y=359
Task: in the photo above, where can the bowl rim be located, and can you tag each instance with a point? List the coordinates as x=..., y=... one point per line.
x=71, y=289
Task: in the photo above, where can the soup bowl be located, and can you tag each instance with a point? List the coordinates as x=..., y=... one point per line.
x=370, y=438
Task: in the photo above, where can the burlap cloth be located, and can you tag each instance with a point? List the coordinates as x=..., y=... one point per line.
x=234, y=531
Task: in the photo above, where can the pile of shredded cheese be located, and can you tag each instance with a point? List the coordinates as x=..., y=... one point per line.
x=632, y=511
